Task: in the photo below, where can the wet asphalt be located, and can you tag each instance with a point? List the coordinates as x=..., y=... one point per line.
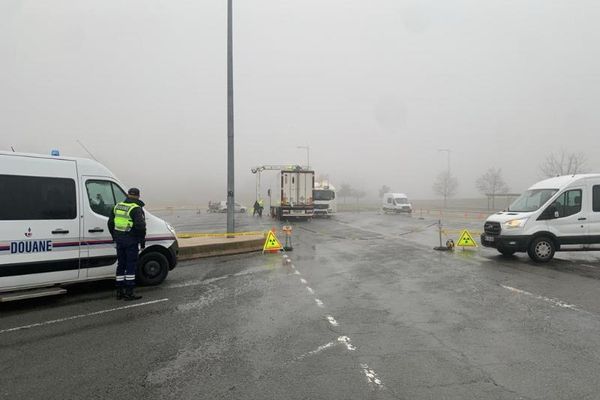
x=364, y=310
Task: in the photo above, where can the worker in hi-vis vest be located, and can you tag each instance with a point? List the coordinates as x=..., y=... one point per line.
x=127, y=225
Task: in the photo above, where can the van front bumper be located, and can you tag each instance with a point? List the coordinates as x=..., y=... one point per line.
x=173, y=250
x=515, y=243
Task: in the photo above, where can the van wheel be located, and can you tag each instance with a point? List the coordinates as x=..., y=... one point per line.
x=506, y=253
x=541, y=249
x=152, y=269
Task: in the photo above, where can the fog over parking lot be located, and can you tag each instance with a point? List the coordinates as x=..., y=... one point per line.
x=374, y=87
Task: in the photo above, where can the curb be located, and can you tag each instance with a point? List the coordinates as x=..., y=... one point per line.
x=240, y=245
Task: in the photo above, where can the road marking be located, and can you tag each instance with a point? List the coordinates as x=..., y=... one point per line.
x=197, y=282
x=589, y=266
x=346, y=341
x=555, y=302
x=372, y=377
x=317, y=351
x=332, y=320
x=56, y=321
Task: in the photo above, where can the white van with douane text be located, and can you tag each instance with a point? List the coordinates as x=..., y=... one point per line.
x=53, y=225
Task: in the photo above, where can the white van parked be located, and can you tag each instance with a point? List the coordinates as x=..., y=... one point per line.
x=53, y=224
x=556, y=214
x=396, y=203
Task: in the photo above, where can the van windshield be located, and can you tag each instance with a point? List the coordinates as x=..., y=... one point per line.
x=532, y=200
x=401, y=200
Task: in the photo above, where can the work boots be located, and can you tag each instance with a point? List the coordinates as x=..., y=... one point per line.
x=120, y=293
x=129, y=295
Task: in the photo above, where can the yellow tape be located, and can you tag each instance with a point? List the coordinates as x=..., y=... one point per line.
x=189, y=235
x=445, y=232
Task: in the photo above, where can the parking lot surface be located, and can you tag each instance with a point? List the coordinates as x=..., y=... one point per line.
x=364, y=310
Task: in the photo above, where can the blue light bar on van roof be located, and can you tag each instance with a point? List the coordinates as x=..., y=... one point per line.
x=55, y=153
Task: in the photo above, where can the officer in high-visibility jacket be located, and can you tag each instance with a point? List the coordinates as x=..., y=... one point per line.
x=127, y=225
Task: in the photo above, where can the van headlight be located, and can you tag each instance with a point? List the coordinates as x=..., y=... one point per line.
x=515, y=223
x=171, y=229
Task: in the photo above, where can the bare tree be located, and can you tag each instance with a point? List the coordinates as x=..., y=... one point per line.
x=384, y=189
x=345, y=191
x=491, y=183
x=445, y=185
x=563, y=163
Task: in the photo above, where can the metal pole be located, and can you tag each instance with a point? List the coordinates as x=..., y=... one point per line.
x=307, y=155
x=230, y=142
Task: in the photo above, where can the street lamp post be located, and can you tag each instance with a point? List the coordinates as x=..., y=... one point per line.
x=448, y=153
x=307, y=155
x=230, y=142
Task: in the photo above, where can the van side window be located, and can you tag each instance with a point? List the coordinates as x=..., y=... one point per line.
x=37, y=198
x=389, y=200
x=596, y=198
x=569, y=203
x=103, y=195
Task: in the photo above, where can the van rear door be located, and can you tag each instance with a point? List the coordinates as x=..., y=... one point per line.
x=98, y=252
x=39, y=221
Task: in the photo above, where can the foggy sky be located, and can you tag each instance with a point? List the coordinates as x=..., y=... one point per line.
x=375, y=87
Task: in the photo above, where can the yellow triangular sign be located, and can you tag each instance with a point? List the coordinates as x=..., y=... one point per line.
x=272, y=243
x=466, y=240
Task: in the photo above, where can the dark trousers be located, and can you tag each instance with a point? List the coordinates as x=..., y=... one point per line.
x=127, y=257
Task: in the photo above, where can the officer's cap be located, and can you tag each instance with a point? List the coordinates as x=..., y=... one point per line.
x=134, y=192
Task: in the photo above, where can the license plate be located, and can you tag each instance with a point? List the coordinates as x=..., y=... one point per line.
x=489, y=238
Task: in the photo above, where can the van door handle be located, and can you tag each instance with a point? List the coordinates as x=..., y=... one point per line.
x=96, y=230
x=60, y=232
x=581, y=219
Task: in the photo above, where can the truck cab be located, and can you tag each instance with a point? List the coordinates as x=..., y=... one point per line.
x=324, y=197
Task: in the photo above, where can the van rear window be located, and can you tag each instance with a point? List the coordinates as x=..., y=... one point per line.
x=37, y=198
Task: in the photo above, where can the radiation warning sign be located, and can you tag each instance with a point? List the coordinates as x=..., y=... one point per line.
x=272, y=243
x=466, y=240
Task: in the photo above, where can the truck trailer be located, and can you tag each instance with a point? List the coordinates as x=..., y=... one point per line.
x=293, y=196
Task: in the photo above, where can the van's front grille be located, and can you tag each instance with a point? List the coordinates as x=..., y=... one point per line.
x=492, y=228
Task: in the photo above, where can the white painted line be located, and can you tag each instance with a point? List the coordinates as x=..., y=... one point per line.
x=372, y=377
x=332, y=320
x=555, y=302
x=346, y=341
x=197, y=282
x=310, y=290
x=55, y=321
x=317, y=351
x=303, y=281
x=296, y=272
x=319, y=303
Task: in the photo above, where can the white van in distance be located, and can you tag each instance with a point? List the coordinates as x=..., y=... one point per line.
x=396, y=203
x=53, y=224
x=556, y=214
